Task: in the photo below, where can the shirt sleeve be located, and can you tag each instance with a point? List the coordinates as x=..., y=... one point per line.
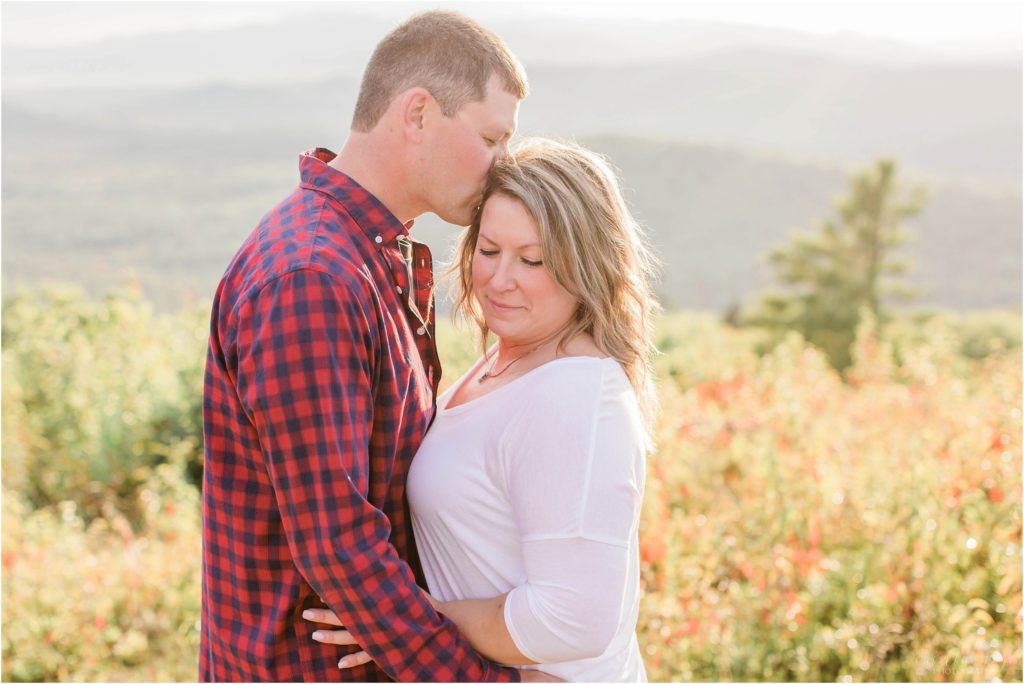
x=306, y=370
x=575, y=464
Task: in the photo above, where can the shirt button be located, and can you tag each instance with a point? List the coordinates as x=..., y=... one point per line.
x=399, y=288
x=378, y=239
x=421, y=330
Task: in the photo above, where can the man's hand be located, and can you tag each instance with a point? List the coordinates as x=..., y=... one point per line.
x=538, y=676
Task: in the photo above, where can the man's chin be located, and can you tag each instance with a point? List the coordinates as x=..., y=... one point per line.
x=460, y=218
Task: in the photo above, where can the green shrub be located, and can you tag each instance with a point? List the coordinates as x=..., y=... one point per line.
x=802, y=528
x=95, y=394
x=798, y=525
x=98, y=601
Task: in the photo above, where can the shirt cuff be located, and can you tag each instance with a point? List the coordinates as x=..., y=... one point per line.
x=521, y=597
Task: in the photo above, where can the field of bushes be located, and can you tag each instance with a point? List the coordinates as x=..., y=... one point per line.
x=799, y=524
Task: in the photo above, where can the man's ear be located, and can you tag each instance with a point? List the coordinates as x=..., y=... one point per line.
x=413, y=112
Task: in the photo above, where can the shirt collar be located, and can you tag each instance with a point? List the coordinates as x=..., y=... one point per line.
x=369, y=213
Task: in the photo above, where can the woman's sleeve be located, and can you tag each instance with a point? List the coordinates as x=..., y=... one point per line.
x=575, y=466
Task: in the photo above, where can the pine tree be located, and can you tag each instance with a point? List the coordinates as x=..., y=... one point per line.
x=848, y=264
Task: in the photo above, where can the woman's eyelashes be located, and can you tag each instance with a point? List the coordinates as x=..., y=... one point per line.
x=493, y=252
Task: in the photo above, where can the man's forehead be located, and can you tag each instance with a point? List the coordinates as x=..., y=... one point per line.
x=500, y=106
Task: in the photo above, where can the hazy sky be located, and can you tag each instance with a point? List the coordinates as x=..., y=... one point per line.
x=919, y=21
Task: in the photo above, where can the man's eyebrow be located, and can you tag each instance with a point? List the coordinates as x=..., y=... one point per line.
x=499, y=133
x=505, y=131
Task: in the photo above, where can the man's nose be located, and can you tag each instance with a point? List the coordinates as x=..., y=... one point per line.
x=503, y=150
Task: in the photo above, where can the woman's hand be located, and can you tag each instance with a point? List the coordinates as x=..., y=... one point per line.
x=341, y=637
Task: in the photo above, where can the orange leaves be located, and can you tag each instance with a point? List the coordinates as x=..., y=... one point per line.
x=689, y=628
x=814, y=532
x=9, y=557
x=721, y=392
x=806, y=561
x=75, y=594
x=999, y=441
x=746, y=569
x=895, y=591
x=796, y=515
x=653, y=550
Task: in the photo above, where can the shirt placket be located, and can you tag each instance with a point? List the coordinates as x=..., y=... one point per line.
x=417, y=274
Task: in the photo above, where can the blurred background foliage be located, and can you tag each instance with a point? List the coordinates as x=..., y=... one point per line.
x=800, y=524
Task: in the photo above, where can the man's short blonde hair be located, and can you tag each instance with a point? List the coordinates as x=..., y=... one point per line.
x=450, y=55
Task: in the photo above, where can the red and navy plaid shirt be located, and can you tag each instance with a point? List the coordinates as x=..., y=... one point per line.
x=320, y=382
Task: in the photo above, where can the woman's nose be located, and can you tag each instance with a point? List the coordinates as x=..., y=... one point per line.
x=504, y=275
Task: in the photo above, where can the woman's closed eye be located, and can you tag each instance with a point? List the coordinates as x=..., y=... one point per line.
x=494, y=252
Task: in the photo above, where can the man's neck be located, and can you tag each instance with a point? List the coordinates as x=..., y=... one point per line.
x=369, y=163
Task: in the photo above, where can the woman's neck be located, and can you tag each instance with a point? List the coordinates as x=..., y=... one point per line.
x=509, y=349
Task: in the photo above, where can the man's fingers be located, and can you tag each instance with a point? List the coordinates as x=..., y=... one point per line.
x=342, y=637
x=319, y=615
x=360, y=658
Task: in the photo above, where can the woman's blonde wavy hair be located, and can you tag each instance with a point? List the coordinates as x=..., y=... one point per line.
x=591, y=246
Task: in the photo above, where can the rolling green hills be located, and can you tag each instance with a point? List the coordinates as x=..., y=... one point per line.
x=90, y=203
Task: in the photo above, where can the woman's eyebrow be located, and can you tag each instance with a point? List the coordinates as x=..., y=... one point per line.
x=531, y=244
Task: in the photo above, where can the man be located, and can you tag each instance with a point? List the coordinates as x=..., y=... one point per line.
x=322, y=370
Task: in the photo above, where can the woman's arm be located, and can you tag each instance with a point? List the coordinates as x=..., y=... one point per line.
x=573, y=464
x=482, y=622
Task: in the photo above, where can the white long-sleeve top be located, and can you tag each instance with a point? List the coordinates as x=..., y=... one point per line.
x=535, y=489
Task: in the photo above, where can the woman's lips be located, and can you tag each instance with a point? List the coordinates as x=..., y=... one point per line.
x=501, y=307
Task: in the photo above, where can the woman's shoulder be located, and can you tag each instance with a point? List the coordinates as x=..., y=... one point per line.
x=572, y=405
x=580, y=374
x=573, y=375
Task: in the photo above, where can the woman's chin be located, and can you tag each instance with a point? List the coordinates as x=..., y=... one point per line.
x=503, y=327
x=496, y=326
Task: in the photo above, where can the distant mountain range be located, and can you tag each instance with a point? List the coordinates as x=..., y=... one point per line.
x=90, y=207
x=956, y=121
x=319, y=41
x=716, y=213
x=723, y=150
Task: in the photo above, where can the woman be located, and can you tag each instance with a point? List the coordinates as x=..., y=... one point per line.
x=526, y=491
